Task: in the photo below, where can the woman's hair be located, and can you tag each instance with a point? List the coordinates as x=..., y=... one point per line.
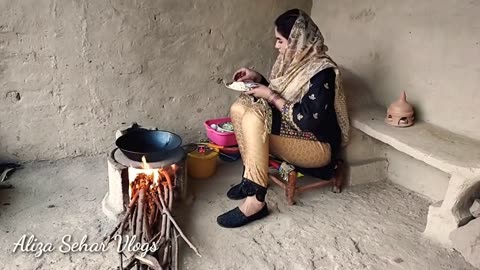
x=285, y=22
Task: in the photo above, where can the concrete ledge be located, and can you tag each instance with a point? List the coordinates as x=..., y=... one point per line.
x=466, y=240
x=416, y=175
x=456, y=155
x=367, y=171
x=442, y=149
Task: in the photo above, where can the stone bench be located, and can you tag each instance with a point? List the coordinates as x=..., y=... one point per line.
x=451, y=153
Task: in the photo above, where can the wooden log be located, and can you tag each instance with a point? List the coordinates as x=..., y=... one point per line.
x=155, y=216
x=133, y=220
x=167, y=252
x=141, y=202
x=164, y=218
x=122, y=227
x=145, y=224
x=131, y=264
x=165, y=194
x=154, y=238
x=146, y=228
x=157, y=202
x=149, y=261
x=170, y=199
x=122, y=222
x=163, y=227
x=165, y=210
x=151, y=212
x=174, y=265
x=169, y=181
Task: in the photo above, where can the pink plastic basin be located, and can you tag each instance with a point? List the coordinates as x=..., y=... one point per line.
x=220, y=138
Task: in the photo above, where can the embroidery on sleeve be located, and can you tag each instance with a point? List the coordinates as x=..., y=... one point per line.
x=299, y=116
x=287, y=115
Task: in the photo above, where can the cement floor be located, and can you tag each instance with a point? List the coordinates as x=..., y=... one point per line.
x=374, y=226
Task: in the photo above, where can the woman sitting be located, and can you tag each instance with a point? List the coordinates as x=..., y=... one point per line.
x=300, y=117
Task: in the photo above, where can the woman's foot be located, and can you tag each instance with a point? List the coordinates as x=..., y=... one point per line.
x=252, y=209
x=237, y=192
x=251, y=206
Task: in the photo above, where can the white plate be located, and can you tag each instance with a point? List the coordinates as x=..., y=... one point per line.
x=240, y=86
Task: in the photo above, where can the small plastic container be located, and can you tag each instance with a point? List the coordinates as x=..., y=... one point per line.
x=201, y=165
x=220, y=138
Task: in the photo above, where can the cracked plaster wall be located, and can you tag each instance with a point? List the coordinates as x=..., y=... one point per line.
x=71, y=72
x=430, y=49
x=427, y=48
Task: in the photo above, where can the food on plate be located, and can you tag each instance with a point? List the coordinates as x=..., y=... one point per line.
x=240, y=86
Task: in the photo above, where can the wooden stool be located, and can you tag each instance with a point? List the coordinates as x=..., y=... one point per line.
x=290, y=178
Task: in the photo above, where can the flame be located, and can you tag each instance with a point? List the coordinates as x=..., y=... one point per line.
x=144, y=163
x=156, y=176
x=145, y=169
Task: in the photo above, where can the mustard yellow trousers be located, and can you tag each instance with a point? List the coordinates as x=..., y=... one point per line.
x=255, y=150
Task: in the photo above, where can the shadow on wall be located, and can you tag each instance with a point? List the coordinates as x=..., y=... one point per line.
x=361, y=147
x=4, y=157
x=356, y=89
x=359, y=92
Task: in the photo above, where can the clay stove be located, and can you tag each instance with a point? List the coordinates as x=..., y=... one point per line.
x=116, y=200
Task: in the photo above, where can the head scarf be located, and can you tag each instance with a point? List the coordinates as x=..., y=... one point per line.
x=304, y=57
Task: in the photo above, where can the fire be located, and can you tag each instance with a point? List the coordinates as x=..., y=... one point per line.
x=174, y=168
x=144, y=163
x=153, y=176
x=148, y=219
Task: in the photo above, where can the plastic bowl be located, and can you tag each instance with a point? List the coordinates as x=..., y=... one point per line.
x=220, y=138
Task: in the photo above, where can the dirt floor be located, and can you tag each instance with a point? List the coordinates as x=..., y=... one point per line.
x=374, y=226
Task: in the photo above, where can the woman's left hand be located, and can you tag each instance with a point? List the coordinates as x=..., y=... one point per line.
x=260, y=91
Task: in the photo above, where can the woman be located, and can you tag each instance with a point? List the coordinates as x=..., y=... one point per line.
x=300, y=116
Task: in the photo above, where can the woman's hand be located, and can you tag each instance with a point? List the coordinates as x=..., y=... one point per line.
x=245, y=74
x=260, y=91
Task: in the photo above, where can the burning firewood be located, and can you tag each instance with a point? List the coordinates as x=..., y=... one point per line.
x=149, y=222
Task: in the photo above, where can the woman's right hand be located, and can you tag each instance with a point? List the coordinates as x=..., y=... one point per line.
x=246, y=74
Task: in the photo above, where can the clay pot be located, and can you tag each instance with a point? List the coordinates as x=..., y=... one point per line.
x=400, y=113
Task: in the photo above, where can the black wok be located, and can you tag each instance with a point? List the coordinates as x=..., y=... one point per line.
x=155, y=145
